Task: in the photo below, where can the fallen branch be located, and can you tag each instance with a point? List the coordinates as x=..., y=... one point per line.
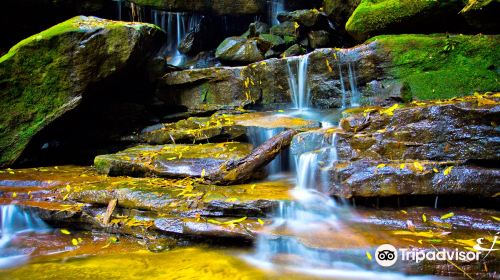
x=242, y=170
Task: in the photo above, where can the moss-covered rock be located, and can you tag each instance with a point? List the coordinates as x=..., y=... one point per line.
x=48, y=74
x=239, y=50
x=376, y=17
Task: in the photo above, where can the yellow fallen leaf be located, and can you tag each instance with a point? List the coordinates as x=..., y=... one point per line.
x=447, y=170
x=404, y=212
x=214, y=222
x=424, y=218
x=65, y=231
x=203, y=173
x=495, y=218
x=74, y=241
x=369, y=256
x=390, y=111
x=68, y=188
x=232, y=199
x=418, y=166
x=428, y=234
x=261, y=222
x=435, y=170
x=381, y=165
x=402, y=166
x=447, y=216
x=14, y=194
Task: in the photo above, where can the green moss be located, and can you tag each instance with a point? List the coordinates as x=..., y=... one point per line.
x=373, y=17
x=437, y=67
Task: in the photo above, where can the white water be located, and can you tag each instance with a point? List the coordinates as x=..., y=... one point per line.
x=355, y=94
x=297, y=81
x=177, y=25
x=257, y=137
x=16, y=221
x=275, y=7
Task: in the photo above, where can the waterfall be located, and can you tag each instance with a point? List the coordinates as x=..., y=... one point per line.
x=275, y=7
x=16, y=221
x=297, y=81
x=310, y=209
x=257, y=137
x=176, y=24
x=355, y=94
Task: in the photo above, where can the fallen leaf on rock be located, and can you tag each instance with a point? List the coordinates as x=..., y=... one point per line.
x=418, y=166
x=447, y=216
x=447, y=171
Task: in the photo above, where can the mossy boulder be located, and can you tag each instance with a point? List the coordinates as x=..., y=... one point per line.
x=49, y=74
x=375, y=17
x=239, y=50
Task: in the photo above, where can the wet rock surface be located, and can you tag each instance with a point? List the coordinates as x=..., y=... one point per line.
x=77, y=197
x=220, y=127
x=442, y=147
x=382, y=71
x=172, y=160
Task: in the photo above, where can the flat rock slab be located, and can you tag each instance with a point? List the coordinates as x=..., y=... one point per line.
x=171, y=160
x=220, y=127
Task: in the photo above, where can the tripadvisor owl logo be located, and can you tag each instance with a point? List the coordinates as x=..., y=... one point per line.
x=386, y=255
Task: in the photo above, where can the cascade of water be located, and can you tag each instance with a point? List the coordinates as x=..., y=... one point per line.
x=297, y=81
x=355, y=94
x=275, y=7
x=259, y=135
x=177, y=26
x=15, y=220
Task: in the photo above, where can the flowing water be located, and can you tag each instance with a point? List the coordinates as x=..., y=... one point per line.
x=16, y=221
x=308, y=231
x=275, y=7
x=297, y=81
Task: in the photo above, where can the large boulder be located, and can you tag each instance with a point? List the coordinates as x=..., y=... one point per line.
x=373, y=18
x=239, y=50
x=49, y=74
